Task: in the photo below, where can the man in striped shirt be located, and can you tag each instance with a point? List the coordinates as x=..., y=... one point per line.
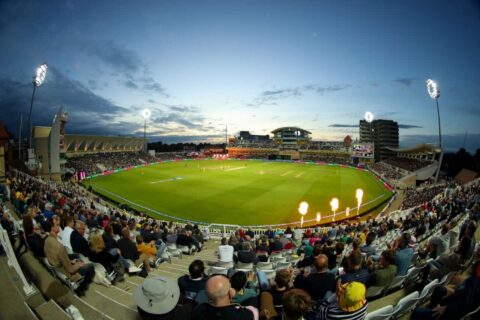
x=349, y=302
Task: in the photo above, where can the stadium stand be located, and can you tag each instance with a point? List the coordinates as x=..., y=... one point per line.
x=449, y=213
x=98, y=162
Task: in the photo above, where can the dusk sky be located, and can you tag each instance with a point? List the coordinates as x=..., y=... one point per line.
x=252, y=65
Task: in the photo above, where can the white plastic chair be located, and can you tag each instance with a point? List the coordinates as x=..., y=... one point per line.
x=264, y=266
x=217, y=270
x=174, y=251
x=241, y=265
x=405, y=305
x=380, y=314
x=282, y=265
x=61, y=276
x=427, y=291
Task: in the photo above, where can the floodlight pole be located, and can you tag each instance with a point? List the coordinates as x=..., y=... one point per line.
x=439, y=143
x=30, y=135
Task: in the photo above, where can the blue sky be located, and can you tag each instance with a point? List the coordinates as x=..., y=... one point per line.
x=253, y=65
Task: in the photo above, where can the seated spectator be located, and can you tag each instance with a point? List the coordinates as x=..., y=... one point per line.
x=157, y=298
x=386, y=270
x=308, y=261
x=467, y=243
x=185, y=239
x=129, y=250
x=403, y=254
x=108, y=239
x=194, y=282
x=35, y=239
x=296, y=305
x=57, y=256
x=220, y=306
x=368, y=248
x=263, y=245
x=452, y=301
x=246, y=255
x=67, y=232
x=349, y=302
x=149, y=249
x=280, y=286
x=234, y=242
x=354, y=271
x=239, y=282
x=318, y=285
x=276, y=245
x=225, y=252
x=78, y=242
x=99, y=254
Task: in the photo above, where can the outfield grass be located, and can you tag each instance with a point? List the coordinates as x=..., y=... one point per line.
x=240, y=192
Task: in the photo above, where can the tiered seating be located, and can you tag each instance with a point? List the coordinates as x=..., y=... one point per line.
x=92, y=163
x=403, y=221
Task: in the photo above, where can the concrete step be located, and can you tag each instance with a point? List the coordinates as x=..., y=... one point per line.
x=12, y=295
x=51, y=310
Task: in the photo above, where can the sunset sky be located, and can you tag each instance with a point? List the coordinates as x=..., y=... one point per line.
x=250, y=65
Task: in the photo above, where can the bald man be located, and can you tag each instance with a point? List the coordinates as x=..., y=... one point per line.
x=219, y=305
x=317, y=284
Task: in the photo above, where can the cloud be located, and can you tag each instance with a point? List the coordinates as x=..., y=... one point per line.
x=217, y=138
x=126, y=64
x=92, y=84
x=408, y=126
x=121, y=59
x=336, y=125
x=182, y=108
x=269, y=97
x=405, y=81
x=88, y=112
x=131, y=84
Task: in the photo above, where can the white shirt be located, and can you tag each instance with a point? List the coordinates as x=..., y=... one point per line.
x=66, y=233
x=225, y=253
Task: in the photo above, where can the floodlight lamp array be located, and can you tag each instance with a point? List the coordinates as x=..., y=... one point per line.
x=146, y=113
x=368, y=116
x=432, y=89
x=40, y=75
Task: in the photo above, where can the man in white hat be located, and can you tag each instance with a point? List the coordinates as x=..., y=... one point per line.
x=157, y=298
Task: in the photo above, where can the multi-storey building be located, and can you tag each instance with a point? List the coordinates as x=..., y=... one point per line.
x=383, y=134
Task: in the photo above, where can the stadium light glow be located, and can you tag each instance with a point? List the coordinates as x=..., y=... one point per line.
x=432, y=89
x=359, y=196
x=334, y=206
x=368, y=116
x=37, y=81
x=347, y=211
x=301, y=222
x=434, y=93
x=303, y=208
x=319, y=217
x=146, y=113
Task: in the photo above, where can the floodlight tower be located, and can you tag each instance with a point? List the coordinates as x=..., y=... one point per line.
x=146, y=113
x=434, y=93
x=369, y=118
x=37, y=82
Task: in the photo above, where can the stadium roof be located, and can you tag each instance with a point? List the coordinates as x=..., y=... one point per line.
x=290, y=128
x=422, y=148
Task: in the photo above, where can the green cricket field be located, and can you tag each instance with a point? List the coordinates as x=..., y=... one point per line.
x=242, y=192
